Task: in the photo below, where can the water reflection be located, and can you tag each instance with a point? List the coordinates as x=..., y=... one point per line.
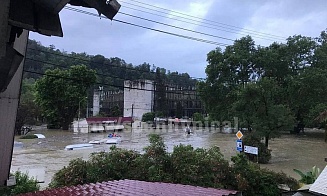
x=46, y=156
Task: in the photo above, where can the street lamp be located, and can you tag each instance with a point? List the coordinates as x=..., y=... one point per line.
x=79, y=113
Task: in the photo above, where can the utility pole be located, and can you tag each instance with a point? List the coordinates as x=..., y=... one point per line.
x=87, y=108
x=132, y=115
x=79, y=115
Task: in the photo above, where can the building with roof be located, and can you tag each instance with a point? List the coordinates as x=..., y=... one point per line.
x=140, y=96
x=135, y=188
x=319, y=187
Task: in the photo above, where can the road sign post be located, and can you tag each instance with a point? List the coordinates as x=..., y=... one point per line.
x=239, y=145
x=239, y=135
x=252, y=150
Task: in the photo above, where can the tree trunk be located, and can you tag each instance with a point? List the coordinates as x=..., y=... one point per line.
x=266, y=141
x=65, y=126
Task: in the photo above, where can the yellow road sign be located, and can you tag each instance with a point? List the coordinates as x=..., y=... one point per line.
x=239, y=135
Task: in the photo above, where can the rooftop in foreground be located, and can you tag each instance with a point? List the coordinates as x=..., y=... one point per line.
x=134, y=188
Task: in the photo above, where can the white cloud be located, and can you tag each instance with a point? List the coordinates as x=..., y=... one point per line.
x=283, y=19
x=137, y=45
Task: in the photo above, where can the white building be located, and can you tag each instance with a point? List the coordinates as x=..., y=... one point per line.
x=96, y=100
x=138, y=98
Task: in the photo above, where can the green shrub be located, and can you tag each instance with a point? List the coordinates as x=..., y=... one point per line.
x=255, y=181
x=185, y=165
x=103, y=166
x=24, y=184
x=30, y=136
x=149, y=116
x=200, y=167
x=157, y=160
x=264, y=154
x=310, y=176
x=73, y=174
x=114, y=165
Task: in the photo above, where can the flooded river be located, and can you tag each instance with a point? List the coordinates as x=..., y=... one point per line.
x=43, y=157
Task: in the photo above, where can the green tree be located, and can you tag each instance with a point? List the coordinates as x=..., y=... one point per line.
x=149, y=116
x=198, y=117
x=28, y=111
x=115, y=111
x=160, y=92
x=61, y=92
x=227, y=72
x=260, y=104
x=307, y=94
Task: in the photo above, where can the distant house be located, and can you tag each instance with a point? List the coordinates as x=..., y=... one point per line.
x=101, y=124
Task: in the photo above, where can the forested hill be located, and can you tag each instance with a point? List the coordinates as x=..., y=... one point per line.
x=111, y=72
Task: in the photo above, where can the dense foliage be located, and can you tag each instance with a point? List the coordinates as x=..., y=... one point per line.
x=29, y=112
x=149, y=116
x=308, y=177
x=60, y=94
x=111, y=71
x=185, y=165
x=271, y=89
x=24, y=184
x=264, y=154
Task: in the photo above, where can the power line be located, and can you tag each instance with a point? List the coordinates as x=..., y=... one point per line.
x=112, y=85
x=176, y=19
x=206, y=21
x=89, y=61
x=240, y=28
x=148, y=28
x=177, y=27
x=99, y=74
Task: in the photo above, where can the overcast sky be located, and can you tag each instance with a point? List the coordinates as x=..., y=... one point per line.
x=229, y=19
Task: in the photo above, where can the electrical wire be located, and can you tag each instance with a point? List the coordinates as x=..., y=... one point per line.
x=238, y=28
x=231, y=28
x=112, y=85
x=112, y=65
x=148, y=28
x=106, y=75
x=165, y=24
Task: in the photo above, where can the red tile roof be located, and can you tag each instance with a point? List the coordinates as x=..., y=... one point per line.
x=133, y=188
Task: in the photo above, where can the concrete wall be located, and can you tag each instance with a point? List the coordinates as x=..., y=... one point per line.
x=96, y=102
x=138, y=98
x=9, y=100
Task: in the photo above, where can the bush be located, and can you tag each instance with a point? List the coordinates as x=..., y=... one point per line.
x=255, y=181
x=73, y=174
x=30, y=136
x=185, y=165
x=24, y=184
x=264, y=154
x=200, y=167
x=114, y=165
x=310, y=176
x=149, y=116
x=103, y=166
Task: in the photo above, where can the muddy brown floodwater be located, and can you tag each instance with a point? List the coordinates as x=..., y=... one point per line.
x=44, y=157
